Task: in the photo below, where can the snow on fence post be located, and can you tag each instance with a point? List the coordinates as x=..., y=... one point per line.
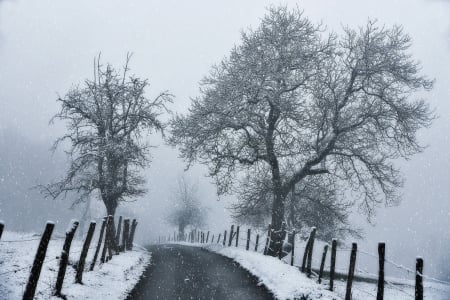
x=218, y=238
x=322, y=263
x=351, y=272
x=282, y=234
x=99, y=244
x=230, y=240
x=381, y=255
x=125, y=232
x=207, y=237
x=131, y=237
x=310, y=250
x=64, y=258
x=248, y=239
x=419, y=279
x=105, y=242
x=224, y=238
x=117, y=238
x=30, y=289
x=84, y=252
x=293, y=247
x=333, y=262
x=266, y=247
x=237, y=236
x=2, y=225
x=256, y=243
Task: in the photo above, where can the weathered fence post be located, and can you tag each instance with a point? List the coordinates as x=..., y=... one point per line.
x=110, y=238
x=266, y=247
x=106, y=242
x=230, y=240
x=224, y=238
x=117, y=239
x=207, y=237
x=30, y=289
x=419, y=279
x=333, y=262
x=248, y=239
x=322, y=263
x=198, y=237
x=84, y=252
x=131, y=236
x=351, y=272
x=237, y=235
x=310, y=250
x=293, y=247
x=99, y=244
x=212, y=239
x=282, y=235
x=256, y=243
x=218, y=238
x=381, y=255
x=2, y=225
x=64, y=258
x=125, y=233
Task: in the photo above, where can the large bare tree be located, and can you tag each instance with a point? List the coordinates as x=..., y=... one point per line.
x=107, y=121
x=299, y=102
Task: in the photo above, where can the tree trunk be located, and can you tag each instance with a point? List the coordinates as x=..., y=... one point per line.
x=277, y=221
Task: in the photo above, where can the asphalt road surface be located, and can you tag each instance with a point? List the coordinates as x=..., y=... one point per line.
x=183, y=272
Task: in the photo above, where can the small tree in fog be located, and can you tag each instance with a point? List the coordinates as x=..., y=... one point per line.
x=186, y=209
x=295, y=103
x=107, y=119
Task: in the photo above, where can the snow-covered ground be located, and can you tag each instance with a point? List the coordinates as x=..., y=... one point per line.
x=112, y=280
x=287, y=282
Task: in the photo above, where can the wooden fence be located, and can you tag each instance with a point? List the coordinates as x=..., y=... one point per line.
x=109, y=238
x=289, y=248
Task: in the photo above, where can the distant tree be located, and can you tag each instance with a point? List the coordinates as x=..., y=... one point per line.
x=107, y=119
x=289, y=98
x=186, y=209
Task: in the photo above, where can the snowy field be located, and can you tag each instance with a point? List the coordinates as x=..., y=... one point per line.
x=288, y=282
x=112, y=280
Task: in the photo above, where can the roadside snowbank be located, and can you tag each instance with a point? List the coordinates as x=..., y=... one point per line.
x=112, y=280
x=283, y=280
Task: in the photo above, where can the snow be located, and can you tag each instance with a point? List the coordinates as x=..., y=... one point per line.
x=112, y=280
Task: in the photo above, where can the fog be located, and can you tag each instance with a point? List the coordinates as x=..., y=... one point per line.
x=48, y=46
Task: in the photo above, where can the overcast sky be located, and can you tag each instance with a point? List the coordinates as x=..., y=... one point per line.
x=47, y=46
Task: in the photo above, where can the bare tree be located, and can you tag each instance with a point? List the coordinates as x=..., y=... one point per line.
x=186, y=209
x=296, y=102
x=107, y=119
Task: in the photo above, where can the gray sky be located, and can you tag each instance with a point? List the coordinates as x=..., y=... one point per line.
x=46, y=46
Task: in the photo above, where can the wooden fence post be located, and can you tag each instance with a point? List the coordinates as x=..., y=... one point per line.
x=30, y=289
x=131, y=237
x=117, y=238
x=282, y=235
x=351, y=272
x=2, y=225
x=125, y=233
x=99, y=244
x=248, y=239
x=237, y=235
x=256, y=243
x=333, y=262
x=207, y=237
x=84, y=252
x=266, y=247
x=293, y=247
x=322, y=263
x=105, y=243
x=218, y=238
x=110, y=238
x=212, y=239
x=224, y=238
x=310, y=251
x=419, y=279
x=230, y=240
x=305, y=255
x=64, y=259
x=381, y=255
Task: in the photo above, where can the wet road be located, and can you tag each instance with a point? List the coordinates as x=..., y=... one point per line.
x=183, y=272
